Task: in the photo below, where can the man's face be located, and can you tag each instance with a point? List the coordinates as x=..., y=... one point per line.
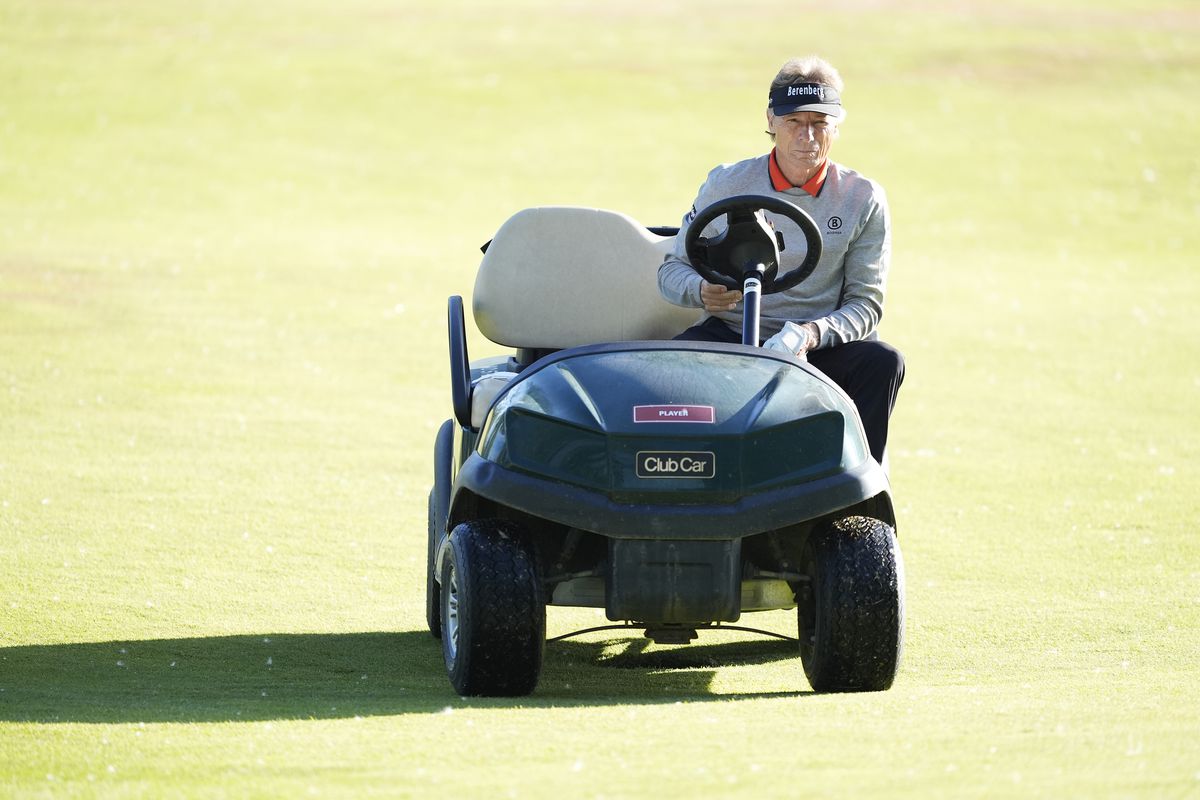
x=802, y=140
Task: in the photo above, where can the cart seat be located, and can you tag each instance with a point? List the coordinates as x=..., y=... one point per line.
x=560, y=276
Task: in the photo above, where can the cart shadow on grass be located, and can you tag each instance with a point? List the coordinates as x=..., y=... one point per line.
x=333, y=676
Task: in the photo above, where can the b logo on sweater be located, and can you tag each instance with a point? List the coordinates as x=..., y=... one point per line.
x=834, y=223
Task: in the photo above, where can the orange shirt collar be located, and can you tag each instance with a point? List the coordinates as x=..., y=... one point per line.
x=782, y=184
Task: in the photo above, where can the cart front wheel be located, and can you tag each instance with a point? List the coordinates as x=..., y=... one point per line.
x=851, y=609
x=493, y=614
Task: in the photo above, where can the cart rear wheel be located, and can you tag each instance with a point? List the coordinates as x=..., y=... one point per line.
x=851, y=611
x=433, y=609
x=439, y=508
x=493, y=614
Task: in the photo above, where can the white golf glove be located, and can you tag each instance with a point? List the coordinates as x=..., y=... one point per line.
x=793, y=339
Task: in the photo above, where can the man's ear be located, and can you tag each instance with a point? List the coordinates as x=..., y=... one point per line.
x=770, y=122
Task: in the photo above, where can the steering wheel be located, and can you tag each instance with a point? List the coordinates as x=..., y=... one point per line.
x=749, y=243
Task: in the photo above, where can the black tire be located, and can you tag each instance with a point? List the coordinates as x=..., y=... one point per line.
x=433, y=604
x=494, y=618
x=439, y=508
x=851, y=612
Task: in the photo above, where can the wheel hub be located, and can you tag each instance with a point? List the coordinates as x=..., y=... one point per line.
x=452, y=612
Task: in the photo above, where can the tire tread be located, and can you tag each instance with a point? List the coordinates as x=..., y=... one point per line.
x=502, y=619
x=859, y=596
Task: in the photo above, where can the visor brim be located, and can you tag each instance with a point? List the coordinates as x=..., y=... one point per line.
x=821, y=108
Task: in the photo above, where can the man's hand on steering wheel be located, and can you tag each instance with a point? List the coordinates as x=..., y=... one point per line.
x=716, y=297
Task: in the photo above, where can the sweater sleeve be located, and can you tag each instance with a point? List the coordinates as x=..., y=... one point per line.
x=678, y=281
x=864, y=279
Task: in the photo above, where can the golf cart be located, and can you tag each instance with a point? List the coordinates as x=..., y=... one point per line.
x=677, y=485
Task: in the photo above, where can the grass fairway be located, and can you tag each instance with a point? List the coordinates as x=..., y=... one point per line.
x=227, y=232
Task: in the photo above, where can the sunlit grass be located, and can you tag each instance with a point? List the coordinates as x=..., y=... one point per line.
x=227, y=233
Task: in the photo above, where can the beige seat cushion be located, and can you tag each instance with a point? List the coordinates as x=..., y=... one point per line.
x=559, y=276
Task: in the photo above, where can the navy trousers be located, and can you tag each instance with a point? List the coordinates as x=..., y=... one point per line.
x=869, y=372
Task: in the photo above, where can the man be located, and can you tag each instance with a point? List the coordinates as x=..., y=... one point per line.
x=829, y=318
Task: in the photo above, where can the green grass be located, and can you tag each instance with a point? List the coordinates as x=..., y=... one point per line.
x=227, y=232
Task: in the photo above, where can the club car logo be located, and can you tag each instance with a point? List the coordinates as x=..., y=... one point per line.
x=706, y=414
x=673, y=464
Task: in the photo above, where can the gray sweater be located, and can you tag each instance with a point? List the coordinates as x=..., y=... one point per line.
x=844, y=294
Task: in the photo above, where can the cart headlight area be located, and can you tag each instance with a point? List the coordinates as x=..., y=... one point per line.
x=557, y=450
x=697, y=469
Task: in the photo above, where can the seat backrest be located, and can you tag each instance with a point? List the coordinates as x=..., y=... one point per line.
x=559, y=276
